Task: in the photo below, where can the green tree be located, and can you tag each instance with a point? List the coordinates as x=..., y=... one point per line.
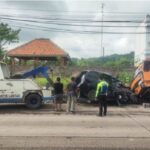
x=114, y=61
x=7, y=36
x=125, y=77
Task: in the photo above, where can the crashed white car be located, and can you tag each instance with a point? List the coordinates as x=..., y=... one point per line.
x=24, y=91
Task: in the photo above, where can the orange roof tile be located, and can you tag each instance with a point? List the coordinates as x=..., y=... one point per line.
x=37, y=48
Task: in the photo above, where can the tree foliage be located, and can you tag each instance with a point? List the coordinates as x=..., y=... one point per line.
x=7, y=36
x=126, y=77
x=113, y=61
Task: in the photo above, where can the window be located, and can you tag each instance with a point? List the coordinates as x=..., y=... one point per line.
x=147, y=66
x=92, y=76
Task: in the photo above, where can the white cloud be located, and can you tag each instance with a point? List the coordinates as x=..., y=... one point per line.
x=78, y=45
x=121, y=43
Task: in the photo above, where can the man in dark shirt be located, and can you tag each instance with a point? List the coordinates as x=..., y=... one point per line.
x=58, y=91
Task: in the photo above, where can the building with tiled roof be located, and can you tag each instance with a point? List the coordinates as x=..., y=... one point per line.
x=42, y=49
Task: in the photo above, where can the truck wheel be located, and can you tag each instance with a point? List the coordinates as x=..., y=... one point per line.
x=33, y=101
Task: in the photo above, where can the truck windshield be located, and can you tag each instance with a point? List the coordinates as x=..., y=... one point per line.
x=147, y=66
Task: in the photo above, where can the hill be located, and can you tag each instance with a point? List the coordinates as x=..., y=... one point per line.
x=114, y=61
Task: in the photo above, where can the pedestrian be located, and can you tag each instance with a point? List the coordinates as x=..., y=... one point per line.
x=58, y=92
x=71, y=92
x=101, y=96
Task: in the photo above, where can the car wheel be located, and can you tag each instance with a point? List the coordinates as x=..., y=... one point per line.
x=134, y=98
x=91, y=95
x=33, y=101
x=121, y=99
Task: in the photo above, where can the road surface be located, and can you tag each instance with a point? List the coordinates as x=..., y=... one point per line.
x=124, y=128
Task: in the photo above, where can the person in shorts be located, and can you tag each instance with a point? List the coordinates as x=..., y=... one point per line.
x=71, y=92
x=58, y=92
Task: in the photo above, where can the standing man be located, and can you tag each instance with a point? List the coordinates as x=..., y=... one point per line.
x=58, y=92
x=101, y=96
x=71, y=92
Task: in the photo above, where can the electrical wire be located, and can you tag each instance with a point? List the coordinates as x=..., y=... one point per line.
x=76, y=31
x=43, y=21
x=82, y=25
x=73, y=20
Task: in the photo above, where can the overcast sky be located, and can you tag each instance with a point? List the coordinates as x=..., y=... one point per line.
x=84, y=12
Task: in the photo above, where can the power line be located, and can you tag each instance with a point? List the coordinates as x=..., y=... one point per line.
x=70, y=16
x=76, y=31
x=83, y=25
x=73, y=20
x=67, y=30
x=46, y=22
x=69, y=24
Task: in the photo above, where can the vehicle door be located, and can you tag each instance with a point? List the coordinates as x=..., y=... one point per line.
x=5, y=91
x=16, y=89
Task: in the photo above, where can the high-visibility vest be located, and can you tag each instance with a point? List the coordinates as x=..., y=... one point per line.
x=102, y=88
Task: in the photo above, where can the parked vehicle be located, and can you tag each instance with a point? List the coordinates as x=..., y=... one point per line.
x=117, y=91
x=24, y=91
x=140, y=84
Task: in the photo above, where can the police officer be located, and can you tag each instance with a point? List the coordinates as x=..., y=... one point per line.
x=101, y=96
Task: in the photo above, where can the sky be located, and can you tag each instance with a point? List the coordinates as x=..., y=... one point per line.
x=82, y=36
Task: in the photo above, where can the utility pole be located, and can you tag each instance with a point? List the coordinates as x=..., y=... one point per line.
x=102, y=49
x=103, y=52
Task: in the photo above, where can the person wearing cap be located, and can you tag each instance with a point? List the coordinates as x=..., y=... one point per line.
x=101, y=96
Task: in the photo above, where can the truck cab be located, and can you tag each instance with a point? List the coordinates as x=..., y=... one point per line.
x=24, y=91
x=140, y=84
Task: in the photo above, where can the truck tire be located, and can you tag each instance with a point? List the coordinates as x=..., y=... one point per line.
x=33, y=101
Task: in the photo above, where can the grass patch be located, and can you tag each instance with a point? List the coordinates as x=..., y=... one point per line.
x=42, y=81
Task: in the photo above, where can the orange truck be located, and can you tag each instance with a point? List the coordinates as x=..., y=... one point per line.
x=140, y=84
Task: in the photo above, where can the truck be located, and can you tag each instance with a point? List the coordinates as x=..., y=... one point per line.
x=23, y=90
x=140, y=84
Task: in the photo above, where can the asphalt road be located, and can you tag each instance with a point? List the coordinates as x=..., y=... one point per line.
x=124, y=128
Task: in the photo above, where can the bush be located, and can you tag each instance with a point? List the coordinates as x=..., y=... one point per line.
x=42, y=81
x=125, y=77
